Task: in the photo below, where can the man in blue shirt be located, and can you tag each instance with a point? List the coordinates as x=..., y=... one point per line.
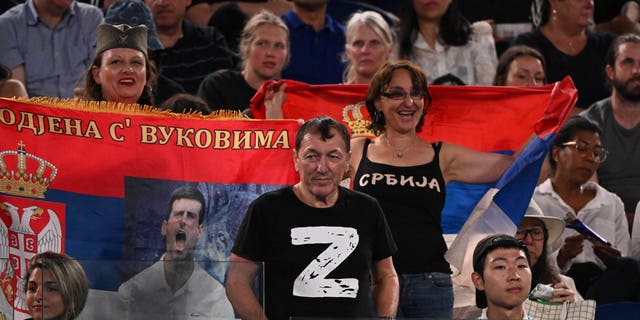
x=317, y=44
x=49, y=44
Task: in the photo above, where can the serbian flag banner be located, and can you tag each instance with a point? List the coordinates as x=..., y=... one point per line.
x=94, y=180
x=502, y=207
x=492, y=119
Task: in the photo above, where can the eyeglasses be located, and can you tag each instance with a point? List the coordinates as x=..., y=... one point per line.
x=599, y=153
x=416, y=95
x=536, y=233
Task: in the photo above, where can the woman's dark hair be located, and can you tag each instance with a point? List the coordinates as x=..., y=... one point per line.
x=545, y=13
x=5, y=73
x=93, y=91
x=568, y=131
x=614, y=48
x=543, y=271
x=184, y=102
x=455, y=29
x=379, y=84
x=507, y=57
x=322, y=125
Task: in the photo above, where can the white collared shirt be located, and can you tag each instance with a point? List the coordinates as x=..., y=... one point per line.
x=604, y=214
x=474, y=63
x=484, y=315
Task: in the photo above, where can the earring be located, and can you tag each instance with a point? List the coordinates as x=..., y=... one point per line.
x=553, y=14
x=377, y=116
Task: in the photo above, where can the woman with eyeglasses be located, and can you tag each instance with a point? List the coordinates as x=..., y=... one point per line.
x=538, y=232
x=574, y=157
x=407, y=175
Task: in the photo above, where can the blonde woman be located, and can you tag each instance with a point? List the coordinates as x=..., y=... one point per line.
x=56, y=288
x=369, y=45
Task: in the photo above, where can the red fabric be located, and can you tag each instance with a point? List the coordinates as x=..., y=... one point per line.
x=481, y=118
x=94, y=165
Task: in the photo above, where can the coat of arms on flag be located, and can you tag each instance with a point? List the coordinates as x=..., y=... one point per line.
x=27, y=225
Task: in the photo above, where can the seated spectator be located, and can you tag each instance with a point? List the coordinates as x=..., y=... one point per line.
x=520, y=66
x=317, y=44
x=538, y=232
x=445, y=45
x=570, y=48
x=56, y=287
x=133, y=13
x=502, y=277
x=10, y=88
x=186, y=103
x=619, y=118
x=48, y=45
x=369, y=45
x=121, y=70
x=574, y=157
x=265, y=51
x=190, y=52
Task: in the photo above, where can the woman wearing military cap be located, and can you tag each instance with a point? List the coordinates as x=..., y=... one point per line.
x=121, y=70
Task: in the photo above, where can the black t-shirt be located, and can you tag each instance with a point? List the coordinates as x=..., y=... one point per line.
x=226, y=89
x=586, y=68
x=412, y=199
x=317, y=260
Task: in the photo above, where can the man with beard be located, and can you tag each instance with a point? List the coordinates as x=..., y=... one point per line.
x=618, y=116
x=176, y=287
x=317, y=43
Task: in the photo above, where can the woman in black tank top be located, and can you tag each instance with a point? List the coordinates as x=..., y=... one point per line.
x=407, y=175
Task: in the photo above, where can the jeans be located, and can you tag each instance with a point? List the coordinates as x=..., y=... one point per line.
x=425, y=295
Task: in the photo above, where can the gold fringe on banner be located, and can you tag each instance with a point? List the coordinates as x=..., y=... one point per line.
x=126, y=108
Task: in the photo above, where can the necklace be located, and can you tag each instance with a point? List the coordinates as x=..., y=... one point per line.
x=399, y=152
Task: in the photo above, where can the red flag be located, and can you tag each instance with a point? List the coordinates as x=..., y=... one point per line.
x=481, y=118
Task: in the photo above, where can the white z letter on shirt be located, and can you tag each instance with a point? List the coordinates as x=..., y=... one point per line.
x=312, y=281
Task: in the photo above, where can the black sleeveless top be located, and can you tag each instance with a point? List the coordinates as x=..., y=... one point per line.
x=412, y=199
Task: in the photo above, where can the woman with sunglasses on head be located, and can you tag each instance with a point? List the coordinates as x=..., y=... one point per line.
x=574, y=157
x=407, y=175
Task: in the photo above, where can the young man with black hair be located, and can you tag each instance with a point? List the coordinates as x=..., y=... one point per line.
x=502, y=277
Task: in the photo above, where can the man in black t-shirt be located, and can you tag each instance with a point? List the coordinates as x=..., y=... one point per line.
x=319, y=242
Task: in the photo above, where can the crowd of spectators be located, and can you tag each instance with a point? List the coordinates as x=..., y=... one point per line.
x=204, y=56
